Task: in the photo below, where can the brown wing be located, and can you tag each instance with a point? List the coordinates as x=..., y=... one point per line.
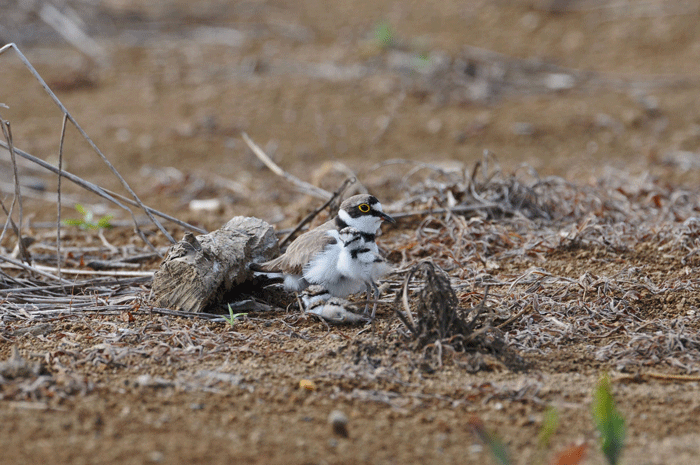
x=300, y=251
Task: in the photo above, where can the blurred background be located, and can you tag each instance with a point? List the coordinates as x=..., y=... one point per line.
x=572, y=88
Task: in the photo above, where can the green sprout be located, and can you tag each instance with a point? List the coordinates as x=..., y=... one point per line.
x=549, y=425
x=607, y=418
x=496, y=446
x=384, y=34
x=550, y=422
x=609, y=421
x=423, y=58
x=87, y=221
x=233, y=316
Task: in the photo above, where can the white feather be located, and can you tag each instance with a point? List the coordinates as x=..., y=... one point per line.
x=294, y=282
x=367, y=265
x=344, y=286
x=323, y=267
x=345, y=216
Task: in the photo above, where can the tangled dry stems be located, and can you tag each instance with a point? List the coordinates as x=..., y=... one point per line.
x=567, y=264
x=605, y=266
x=440, y=325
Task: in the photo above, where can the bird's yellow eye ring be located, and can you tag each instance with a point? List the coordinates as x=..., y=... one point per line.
x=364, y=208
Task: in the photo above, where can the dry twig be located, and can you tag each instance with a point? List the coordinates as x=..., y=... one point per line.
x=336, y=195
x=303, y=186
x=104, y=159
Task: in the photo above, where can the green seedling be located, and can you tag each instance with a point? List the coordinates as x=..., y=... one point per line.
x=549, y=426
x=233, y=316
x=422, y=59
x=547, y=429
x=495, y=445
x=609, y=421
x=87, y=221
x=384, y=34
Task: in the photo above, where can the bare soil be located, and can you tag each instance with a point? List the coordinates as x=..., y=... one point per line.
x=599, y=98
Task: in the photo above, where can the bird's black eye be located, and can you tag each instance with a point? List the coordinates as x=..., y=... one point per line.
x=364, y=208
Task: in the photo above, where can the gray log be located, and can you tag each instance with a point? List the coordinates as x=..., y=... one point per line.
x=197, y=272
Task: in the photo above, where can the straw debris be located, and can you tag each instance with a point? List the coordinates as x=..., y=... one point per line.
x=440, y=326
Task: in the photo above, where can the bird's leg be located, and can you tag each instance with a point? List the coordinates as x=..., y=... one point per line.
x=369, y=297
x=376, y=298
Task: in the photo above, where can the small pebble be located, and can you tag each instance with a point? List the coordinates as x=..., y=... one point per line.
x=603, y=120
x=530, y=21
x=339, y=421
x=205, y=205
x=307, y=384
x=123, y=135
x=155, y=456
x=434, y=126
x=523, y=129
x=185, y=129
x=559, y=81
x=650, y=104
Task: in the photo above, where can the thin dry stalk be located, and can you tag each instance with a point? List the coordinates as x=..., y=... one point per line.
x=32, y=269
x=17, y=198
x=303, y=186
x=387, y=122
x=85, y=136
x=58, y=205
x=71, y=31
x=106, y=194
x=336, y=195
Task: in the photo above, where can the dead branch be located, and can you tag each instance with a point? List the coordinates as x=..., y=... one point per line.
x=671, y=377
x=199, y=272
x=336, y=195
x=71, y=31
x=303, y=186
x=106, y=194
x=58, y=205
x=87, y=138
x=17, y=198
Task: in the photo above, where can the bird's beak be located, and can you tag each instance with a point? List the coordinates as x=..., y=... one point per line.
x=386, y=217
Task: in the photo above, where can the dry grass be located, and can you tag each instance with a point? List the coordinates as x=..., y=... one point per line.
x=496, y=271
x=533, y=225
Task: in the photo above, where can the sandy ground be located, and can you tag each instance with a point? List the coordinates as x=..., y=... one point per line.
x=577, y=89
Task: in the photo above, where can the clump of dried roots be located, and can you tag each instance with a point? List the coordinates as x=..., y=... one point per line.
x=439, y=327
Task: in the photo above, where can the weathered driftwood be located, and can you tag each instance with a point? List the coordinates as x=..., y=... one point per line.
x=199, y=271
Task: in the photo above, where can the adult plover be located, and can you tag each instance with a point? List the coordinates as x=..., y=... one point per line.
x=360, y=265
x=312, y=258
